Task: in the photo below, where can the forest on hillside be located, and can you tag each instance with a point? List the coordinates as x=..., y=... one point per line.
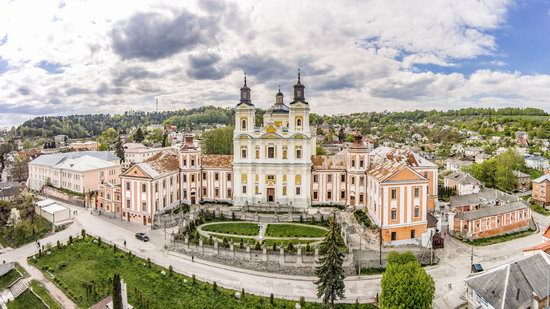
x=92, y=125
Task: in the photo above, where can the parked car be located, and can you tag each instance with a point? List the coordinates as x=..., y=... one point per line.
x=142, y=237
x=476, y=268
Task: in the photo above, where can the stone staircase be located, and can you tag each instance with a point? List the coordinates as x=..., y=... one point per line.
x=18, y=288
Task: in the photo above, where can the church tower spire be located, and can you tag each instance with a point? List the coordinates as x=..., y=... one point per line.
x=299, y=95
x=245, y=93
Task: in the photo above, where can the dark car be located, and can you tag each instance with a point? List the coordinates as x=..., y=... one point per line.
x=142, y=237
x=477, y=268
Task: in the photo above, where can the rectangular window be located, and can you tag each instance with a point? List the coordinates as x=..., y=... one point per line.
x=329, y=178
x=204, y=191
x=143, y=206
x=156, y=187
x=315, y=178
x=393, y=236
x=217, y=192
x=361, y=198
x=416, y=192
x=127, y=185
x=329, y=195
x=393, y=194
x=352, y=180
x=298, y=153
x=314, y=195
x=184, y=194
x=361, y=163
x=193, y=178
x=271, y=152
x=284, y=190
x=343, y=178
x=204, y=176
x=413, y=234
x=128, y=204
x=297, y=190
x=244, y=189
x=353, y=163
x=342, y=194
x=393, y=214
x=184, y=178
x=228, y=177
x=243, y=153
x=184, y=162
x=192, y=162
x=216, y=176
x=361, y=181
x=143, y=188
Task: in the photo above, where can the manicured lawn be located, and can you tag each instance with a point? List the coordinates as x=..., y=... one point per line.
x=541, y=210
x=84, y=271
x=9, y=278
x=235, y=228
x=38, y=228
x=294, y=230
x=26, y=300
x=39, y=289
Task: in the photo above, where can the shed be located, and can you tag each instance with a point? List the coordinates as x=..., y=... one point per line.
x=56, y=214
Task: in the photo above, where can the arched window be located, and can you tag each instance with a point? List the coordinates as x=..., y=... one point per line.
x=299, y=122
x=284, y=154
x=257, y=154
x=243, y=153
x=243, y=124
x=416, y=211
x=298, y=153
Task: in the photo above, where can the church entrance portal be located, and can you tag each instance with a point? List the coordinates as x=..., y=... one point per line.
x=271, y=195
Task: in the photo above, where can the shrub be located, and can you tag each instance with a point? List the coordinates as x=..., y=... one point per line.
x=70, y=239
x=308, y=248
x=83, y=233
x=99, y=241
x=242, y=294
x=58, y=245
x=271, y=299
x=214, y=286
x=233, y=216
x=194, y=279
x=148, y=263
x=274, y=246
x=302, y=301
x=114, y=248
x=241, y=244
x=301, y=219
x=290, y=248
x=170, y=270
x=257, y=246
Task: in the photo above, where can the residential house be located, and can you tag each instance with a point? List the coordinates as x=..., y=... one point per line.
x=137, y=153
x=536, y=162
x=83, y=146
x=457, y=149
x=541, y=190
x=523, y=181
x=463, y=183
x=522, y=138
x=520, y=284
x=109, y=199
x=472, y=152
x=481, y=157
x=10, y=190
x=456, y=165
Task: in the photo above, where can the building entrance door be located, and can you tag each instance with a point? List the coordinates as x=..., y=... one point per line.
x=271, y=195
x=352, y=200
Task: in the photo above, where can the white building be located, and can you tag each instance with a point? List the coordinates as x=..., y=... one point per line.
x=75, y=171
x=536, y=162
x=137, y=153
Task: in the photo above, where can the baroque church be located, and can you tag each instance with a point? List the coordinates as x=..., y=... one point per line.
x=276, y=163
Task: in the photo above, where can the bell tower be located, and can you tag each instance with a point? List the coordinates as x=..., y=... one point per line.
x=245, y=112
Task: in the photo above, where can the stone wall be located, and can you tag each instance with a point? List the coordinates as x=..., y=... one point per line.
x=63, y=196
x=297, y=263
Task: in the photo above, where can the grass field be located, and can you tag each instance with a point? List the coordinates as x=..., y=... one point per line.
x=39, y=289
x=234, y=228
x=27, y=300
x=84, y=271
x=9, y=278
x=294, y=230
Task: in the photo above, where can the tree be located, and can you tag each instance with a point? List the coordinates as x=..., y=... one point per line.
x=341, y=135
x=108, y=136
x=164, y=139
x=138, y=136
x=4, y=149
x=320, y=150
x=119, y=150
x=330, y=272
x=117, y=292
x=218, y=141
x=405, y=284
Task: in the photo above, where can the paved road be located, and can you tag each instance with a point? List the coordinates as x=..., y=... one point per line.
x=454, y=266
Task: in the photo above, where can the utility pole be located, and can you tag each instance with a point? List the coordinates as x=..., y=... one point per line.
x=472, y=260
x=380, y=229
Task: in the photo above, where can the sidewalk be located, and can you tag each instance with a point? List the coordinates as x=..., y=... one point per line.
x=54, y=291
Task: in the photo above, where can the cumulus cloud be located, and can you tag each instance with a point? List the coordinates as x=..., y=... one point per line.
x=103, y=56
x=157, y=35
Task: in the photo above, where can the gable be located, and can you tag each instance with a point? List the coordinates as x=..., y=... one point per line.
x=135, y=171
x=271, y=129
x=406, y=174
x=271, y=136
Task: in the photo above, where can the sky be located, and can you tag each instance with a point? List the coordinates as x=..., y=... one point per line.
x=78, y=57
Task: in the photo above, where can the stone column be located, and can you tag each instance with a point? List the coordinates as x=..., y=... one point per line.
x=316, y=252
x=201, y=247
x=248, y=254
x=232, y=250
x=281, y=256
x=299, y=257
x=264, y=254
